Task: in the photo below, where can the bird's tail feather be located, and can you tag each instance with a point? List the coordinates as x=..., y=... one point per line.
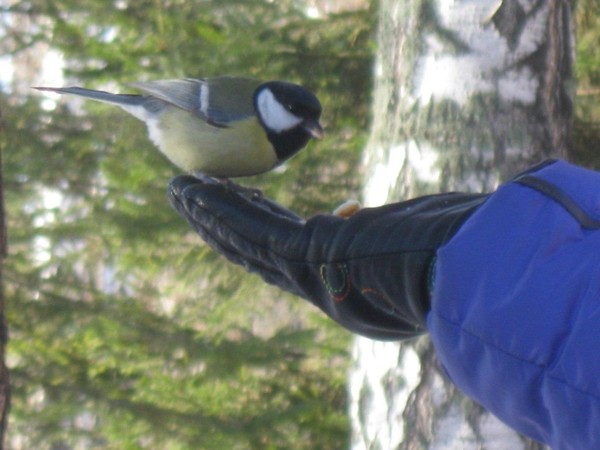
x=123, y=100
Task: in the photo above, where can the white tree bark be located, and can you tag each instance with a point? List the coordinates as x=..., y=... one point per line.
x=467, y=93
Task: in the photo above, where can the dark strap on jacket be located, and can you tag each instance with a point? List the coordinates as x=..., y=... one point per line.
x=555, y=193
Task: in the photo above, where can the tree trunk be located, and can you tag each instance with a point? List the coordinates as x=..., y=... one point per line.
x=4, y=381
x=466, y=95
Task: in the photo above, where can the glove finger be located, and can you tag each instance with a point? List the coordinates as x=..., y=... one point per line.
x=253, y=233
x=181, y=183
x=206, y=225
x=270, y=273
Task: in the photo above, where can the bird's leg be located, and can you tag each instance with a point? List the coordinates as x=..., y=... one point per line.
x=249, y=193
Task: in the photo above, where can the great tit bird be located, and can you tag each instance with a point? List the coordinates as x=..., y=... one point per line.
x=222, y=127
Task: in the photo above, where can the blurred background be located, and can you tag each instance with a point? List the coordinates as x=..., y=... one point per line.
x=126, y=330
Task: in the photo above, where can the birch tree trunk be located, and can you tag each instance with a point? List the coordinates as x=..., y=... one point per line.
x=467, y=93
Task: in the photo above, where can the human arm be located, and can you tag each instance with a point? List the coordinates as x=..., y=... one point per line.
x=368, y=272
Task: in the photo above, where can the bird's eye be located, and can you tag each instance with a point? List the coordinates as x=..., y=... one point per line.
x=291, y=108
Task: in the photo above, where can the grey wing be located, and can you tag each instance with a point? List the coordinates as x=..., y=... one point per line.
x=219, y=101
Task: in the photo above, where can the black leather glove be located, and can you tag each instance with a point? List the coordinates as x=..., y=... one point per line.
x=368, y=272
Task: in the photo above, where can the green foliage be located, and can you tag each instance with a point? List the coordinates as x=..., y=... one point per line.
x=145, y=381
x=126, y=331
x=587, y=68
x=588, y=33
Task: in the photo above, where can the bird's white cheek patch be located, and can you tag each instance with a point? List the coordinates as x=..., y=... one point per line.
x=273, y=114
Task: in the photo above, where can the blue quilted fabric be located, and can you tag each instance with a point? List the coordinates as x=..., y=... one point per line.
x=515, y=315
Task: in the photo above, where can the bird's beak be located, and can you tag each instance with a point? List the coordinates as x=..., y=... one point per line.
x=314, y=128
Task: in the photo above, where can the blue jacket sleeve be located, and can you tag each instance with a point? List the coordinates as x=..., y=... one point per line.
x=515, y=316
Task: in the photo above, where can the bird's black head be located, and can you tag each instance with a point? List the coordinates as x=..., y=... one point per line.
x=289, y=114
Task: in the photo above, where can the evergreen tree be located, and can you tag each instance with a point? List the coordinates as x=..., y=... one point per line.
x=126, y=331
